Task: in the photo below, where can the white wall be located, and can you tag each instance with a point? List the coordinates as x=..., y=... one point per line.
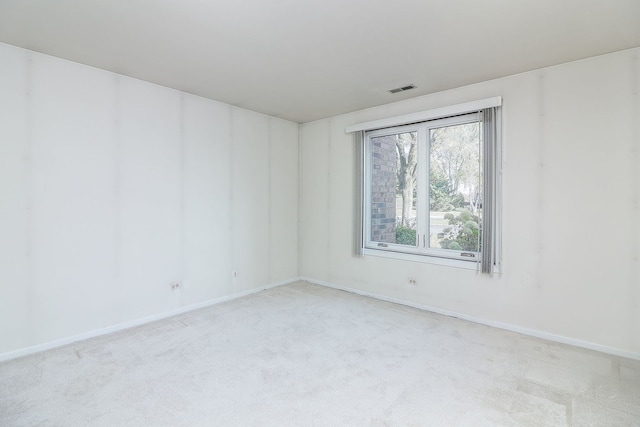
x=571, y=207
x=112, y=188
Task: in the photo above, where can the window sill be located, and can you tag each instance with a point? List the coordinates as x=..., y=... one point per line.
x=427, y=259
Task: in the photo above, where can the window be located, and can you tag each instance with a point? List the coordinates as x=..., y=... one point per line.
x=430, y=188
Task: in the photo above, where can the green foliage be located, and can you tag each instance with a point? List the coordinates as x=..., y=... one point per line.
x=405, y=235
x=463, y=233
x=441, y=196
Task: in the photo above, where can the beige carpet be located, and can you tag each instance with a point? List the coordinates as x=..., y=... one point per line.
x=305, y=355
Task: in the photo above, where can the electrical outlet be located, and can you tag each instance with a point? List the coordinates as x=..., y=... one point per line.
x=412, y=281
x=175, y=285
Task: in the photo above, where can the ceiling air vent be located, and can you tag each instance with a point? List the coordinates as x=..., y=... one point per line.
x=402, y=89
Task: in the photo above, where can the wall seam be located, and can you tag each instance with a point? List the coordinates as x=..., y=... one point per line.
x=329, y=204
x=540, y=235
x=634, y=285
x=183, y=218
x=117, y=196
x=269, y=203
x=299, y=225
x=29, y=200
x=232, y=223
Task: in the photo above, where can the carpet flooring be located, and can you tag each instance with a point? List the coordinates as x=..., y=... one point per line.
x=306, y=355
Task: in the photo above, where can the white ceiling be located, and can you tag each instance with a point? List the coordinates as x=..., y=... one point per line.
x=309, y=59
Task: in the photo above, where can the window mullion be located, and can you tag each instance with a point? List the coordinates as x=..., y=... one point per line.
x=422, y=204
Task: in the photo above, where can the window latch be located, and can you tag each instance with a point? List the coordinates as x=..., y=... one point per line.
x=468, y=254
x=383, y=245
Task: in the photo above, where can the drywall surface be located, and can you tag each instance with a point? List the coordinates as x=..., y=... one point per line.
x=112, y=188
x=571, y=203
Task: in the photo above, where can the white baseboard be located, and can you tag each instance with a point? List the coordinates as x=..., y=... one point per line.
x=136, y=322
x=506, y=326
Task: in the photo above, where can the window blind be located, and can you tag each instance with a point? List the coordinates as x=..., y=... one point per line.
x=490, y=211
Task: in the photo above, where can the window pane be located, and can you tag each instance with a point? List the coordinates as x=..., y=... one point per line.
x=455, y=190
x=393, y=188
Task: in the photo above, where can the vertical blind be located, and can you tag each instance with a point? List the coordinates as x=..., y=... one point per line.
x=489, y=253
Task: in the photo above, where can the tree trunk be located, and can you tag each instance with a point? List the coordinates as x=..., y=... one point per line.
x=406, y=174
x=407, y=198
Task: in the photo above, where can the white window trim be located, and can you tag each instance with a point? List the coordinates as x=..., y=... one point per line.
x=425, y=259
x=423, y=116
x=418, y=117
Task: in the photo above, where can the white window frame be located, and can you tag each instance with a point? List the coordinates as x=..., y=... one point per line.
x=421, y=122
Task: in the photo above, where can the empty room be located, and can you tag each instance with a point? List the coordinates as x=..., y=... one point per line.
x=320, y=213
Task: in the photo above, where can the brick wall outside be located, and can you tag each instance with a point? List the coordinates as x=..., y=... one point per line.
x=383, y=189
